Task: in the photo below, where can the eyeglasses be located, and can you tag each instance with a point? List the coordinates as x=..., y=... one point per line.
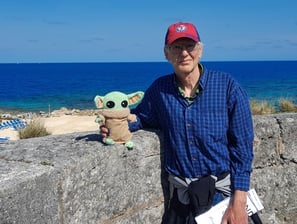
x=177, y=49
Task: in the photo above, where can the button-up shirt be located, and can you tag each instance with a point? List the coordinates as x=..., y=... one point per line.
x=210, y=135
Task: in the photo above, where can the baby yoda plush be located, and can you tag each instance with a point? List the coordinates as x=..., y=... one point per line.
x=116, y=114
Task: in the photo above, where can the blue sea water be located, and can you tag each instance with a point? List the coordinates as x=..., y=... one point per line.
x=36, y=87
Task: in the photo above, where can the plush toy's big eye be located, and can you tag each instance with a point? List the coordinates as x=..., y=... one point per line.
x=110, y=104
x=124, y=103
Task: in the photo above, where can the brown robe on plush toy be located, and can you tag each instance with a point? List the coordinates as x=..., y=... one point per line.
x=117, y=123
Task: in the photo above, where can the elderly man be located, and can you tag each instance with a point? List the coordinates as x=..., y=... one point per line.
x=206, y=120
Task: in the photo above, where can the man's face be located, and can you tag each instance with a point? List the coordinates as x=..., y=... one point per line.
x=184, y=54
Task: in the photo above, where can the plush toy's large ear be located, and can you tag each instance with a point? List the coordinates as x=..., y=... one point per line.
x=99, y=101
x=135, y=98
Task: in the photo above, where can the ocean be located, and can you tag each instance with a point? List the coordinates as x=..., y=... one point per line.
x=35, y=87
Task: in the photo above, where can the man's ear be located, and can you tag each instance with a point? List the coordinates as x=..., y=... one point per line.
x=135, y=98
x=200, y=50
x=99, y=101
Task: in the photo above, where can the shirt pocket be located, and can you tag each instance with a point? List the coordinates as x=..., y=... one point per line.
x=214, y=126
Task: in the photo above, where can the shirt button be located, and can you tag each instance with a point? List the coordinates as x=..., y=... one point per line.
x=189, y=125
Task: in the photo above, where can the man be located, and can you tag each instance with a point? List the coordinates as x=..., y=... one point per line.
x=208, y=133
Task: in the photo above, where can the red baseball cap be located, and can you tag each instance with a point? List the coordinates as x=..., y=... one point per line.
x=180, y=30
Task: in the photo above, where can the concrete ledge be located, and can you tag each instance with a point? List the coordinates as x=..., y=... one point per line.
x=73, y=178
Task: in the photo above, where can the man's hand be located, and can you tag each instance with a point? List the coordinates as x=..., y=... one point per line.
x=236, y=211
x=104, y=131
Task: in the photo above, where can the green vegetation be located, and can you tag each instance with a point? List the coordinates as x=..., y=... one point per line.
x=33, y=129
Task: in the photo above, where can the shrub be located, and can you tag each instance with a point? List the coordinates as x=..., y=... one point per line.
x=33, y=129
x=261, y=107
x=287, y=105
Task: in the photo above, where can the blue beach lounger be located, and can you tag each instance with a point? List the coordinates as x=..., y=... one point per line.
x=3, y=139
x=15, y=124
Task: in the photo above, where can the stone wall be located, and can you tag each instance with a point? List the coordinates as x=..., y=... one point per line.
x=74, y=179
x=275, y=166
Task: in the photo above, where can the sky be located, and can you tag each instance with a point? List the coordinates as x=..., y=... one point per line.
x=38, y=31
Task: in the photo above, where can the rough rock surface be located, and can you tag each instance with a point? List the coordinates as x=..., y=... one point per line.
x=275, y=166
x=74, y=179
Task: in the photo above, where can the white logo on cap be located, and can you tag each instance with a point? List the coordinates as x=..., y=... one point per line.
x=181, y=28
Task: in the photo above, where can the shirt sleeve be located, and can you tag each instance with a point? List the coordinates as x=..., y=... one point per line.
x=135, y=125
x=240, y=138
x=146, y=112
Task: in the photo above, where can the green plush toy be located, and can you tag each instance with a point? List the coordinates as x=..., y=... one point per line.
x=115, y=115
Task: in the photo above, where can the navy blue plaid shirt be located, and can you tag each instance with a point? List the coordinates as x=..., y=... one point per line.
x=210, y=135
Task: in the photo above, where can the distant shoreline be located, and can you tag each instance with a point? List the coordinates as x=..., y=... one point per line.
x=70, y=111
x=55, y=113
x=60, y=124
x=61, y=121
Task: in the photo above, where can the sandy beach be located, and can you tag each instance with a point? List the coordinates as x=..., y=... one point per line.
x=57, y=125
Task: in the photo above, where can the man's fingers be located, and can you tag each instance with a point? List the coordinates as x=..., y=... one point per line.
x=103, y=131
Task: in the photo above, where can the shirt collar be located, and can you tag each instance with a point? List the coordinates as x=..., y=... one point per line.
x=198, y=88
x=203, y=77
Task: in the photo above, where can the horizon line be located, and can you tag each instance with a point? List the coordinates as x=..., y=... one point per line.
x=93, y=62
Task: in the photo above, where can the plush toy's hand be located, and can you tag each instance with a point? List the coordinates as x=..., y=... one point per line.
x=132, y=118
x=98, y=120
